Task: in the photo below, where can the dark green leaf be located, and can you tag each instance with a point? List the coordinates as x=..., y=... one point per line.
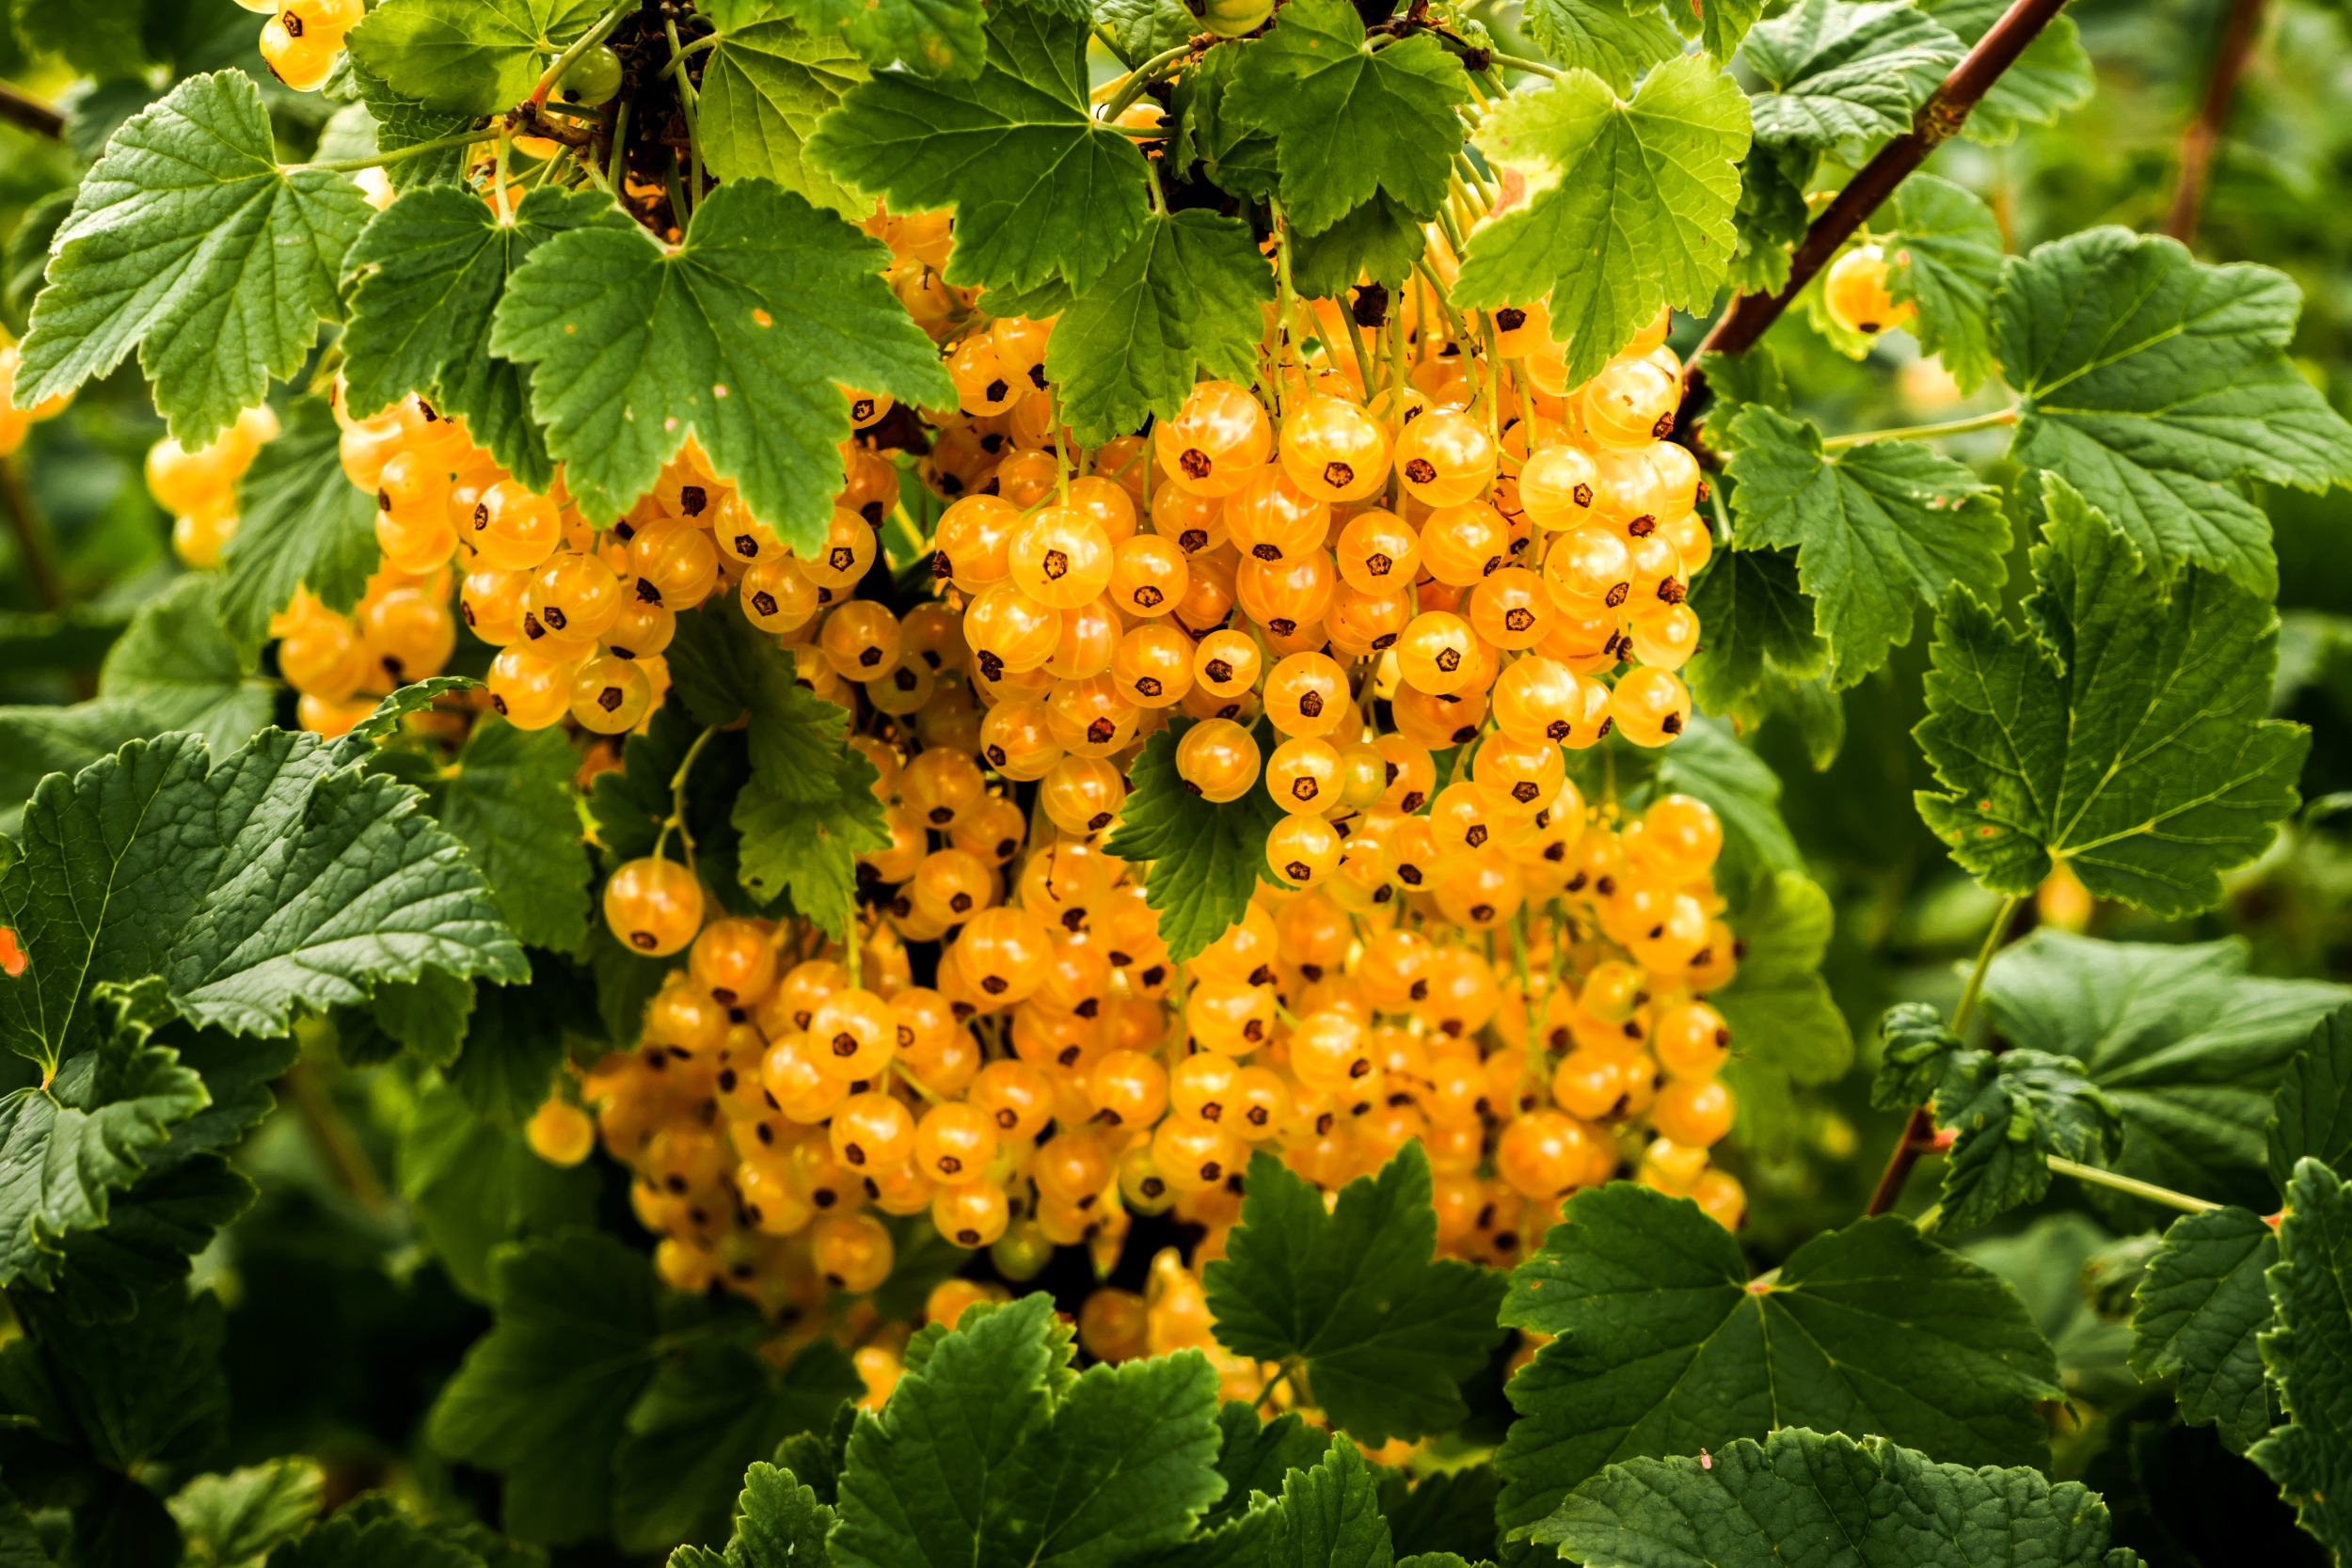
x=2312, y=1113
x=2121, y=733
x=1718, y=24
x=1380, y=240
x=1771, y=218
x=425, y=276
x=1757, y=621
x=1948, y=265
x=1452, y=1511
x=2311, y=1457
x=1877, y=528
x=1254, y=1456
x=151, y=1233
x=2013, y=1113
x=2183, y=1040
x=370, y=1537
x=512, y=806
x=545, y=1396
x=778, y=1522
x=2155, y=383
x=188, y=241
x=475, y=1186
x=709, y=1412
x=1629, y=208
x=1386, y=1330
x=467, y=57
x=149, y=1389
x=301, y=525
x=929, y=38
x=1206, y=859
x=428, y=1015
x=1180, y=302
x=2202, y=1305
x=1347, y=123
x=1039, y=188
x=744, y=336
x=515, y=1043
x=1665, y=1346
x=1139, y=29
x=1808, y=1496
x=401, y=123
x=1331, y=1516
x=991, y=1452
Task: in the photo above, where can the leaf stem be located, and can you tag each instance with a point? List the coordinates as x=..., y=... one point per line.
x=497, y=178
x=1454, y=326
x=1924, y=432
x=688, y=106
x=1355, y=341
x=346, y=1161
x=1265, y=1395
x=1517, y=62
x=352, y=165
x=1984, y=963
x=618, y=172
x=581, y=45
x=2148, y=1190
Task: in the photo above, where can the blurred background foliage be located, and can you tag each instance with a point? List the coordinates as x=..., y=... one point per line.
x=341, y=1323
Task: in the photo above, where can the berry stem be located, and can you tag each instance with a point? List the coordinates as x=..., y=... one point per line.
x=1984, y=963
x=688, y=105
x=618, y=172
x=678, y=800
x=1924, y=432
x=1453, y=323
x=1126, y=89
x=1284, y=296
x=497, y=178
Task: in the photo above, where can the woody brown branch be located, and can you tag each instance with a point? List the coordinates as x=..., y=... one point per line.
x=2204, y=134
x=1947, y=109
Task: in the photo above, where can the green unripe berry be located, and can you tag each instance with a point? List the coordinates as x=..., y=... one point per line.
x=592, y=78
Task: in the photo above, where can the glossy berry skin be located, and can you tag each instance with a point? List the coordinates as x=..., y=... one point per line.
x=1446, y=458
x=852, y=1252
x=1856, y=295
x=1630, y=403
x=1306, y=694
x=1334, y=451
x=1220, y=436
x=1217, y=760
x=653, y=906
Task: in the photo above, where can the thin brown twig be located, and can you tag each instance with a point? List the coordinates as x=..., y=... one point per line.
x=32, y=540
x=2204, y=134
x=21, y=108
x=1739, y=328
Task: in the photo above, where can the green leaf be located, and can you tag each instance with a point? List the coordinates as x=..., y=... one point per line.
x=2312, y=1116
x=401, y=123
x=1452, y=1511
x=1779, y=1007
x=151, y=1233
x=1918, y=1052
x=99, y=38
x=544, y=1397
x=1040, y=189
x=233, y=1519
x=2155, y=384
x=1205, y=859
x=2052, y=76
x=1254, y=1456
x=1348, y=124
x=302, y=524
x=1808, y=1496
x=744, y=336
x=1238, y=160
x=778, y=1524
x=1948, y=265
x=467, y=57
x=709, y=1412
x=1182, y=302
x=383, y=721
x=514, y=1042
x=1718, y=24
x=90, y=1131
x=370, y=1533
x=2311, y=1457
x=991, y=1452
x=808, y=849
x=237, y=1075
x=269, y=881
x=512, y=806
x=926, y=38
x=476, y=1186
x=1877, y=528
x=428, y=1015
x=2012, y=1112
x=425, y=276
x=1386, y=1330
x=1772, y=218
x=2201, y=1306
x=1628, y=204
x=1664, y=1346
x=1845, y=74
x=763, y=89
x=2183, y=1040
x=1614, y=41
x=188, y=241
x=1139, y=29
x=2122, y=732
x=149, y=1389
x=1758, y=623
x=1331, y=1516
x=1380, y=240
